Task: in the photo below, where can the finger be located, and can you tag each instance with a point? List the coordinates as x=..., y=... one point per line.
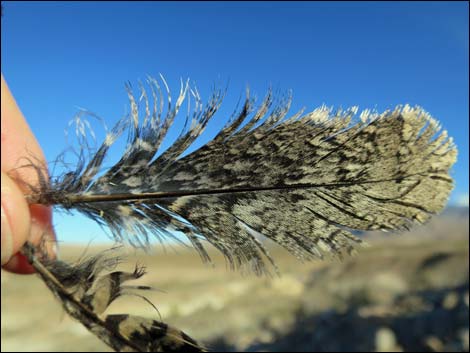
x=19, y=142
x=41, y=233
x=16, y=219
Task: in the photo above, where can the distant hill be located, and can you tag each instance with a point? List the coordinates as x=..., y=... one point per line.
x=456, y=211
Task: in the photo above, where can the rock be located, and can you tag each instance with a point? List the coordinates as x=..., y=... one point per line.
x=450, y=301
x=464, y=338
x=434, y=344
x=288, y=285
x=384, y=287
x=375, y=310
x=385, y=341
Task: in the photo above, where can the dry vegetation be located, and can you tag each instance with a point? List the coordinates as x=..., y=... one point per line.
x=406, y=292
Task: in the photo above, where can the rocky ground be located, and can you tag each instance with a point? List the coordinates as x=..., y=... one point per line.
x=406, y=292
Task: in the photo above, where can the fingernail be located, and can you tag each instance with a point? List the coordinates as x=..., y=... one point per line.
x=7, y=239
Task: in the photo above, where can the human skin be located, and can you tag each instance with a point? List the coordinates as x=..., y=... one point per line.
x=21, y=222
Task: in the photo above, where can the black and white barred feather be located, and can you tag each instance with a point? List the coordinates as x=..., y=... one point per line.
x=306, y=181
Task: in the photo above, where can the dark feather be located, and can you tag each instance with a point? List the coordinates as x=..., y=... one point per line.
x=305, y=182
x=85, y=293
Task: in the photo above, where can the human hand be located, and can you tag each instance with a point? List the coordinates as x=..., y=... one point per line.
x=20, y=222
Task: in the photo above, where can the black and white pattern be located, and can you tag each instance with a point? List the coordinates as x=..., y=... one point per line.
x=305, y=182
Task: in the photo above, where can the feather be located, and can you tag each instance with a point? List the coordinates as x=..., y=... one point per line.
x=307, y=182
x=85, y=293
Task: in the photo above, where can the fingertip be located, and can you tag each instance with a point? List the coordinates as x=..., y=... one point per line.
x=19, y=264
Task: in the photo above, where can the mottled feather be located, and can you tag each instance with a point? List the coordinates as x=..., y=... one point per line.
x=307, y=182
x=86, y=292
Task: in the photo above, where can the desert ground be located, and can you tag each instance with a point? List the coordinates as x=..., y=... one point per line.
x=404, y=292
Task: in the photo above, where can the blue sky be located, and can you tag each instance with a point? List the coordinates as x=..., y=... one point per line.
x=60, y=56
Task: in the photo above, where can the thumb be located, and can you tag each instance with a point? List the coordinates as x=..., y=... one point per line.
x=16, y=218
